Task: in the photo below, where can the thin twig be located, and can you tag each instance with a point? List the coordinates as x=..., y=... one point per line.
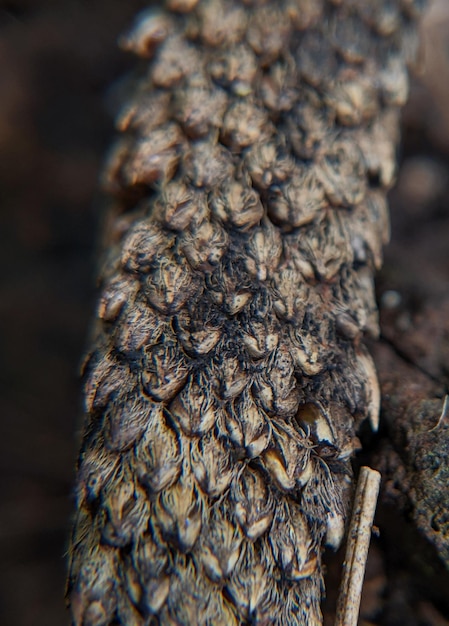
x=357, y=549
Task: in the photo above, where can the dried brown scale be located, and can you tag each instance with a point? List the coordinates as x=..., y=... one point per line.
x=227, y=375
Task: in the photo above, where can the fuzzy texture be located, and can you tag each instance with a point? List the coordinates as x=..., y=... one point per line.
x=227, y=375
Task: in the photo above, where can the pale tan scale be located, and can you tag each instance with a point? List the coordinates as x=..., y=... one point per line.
x=293, y=546
x=267, y=165
x=147, y=578
x=212, y=465
x=237, y=204
x=251, y=588
x=143, y=244
x=127, y=511
x=170, y=285
x=207, y=164
x=260, y=339
x=222, y=23
x=183, y=6
x=377, y=147
x=178, y=511
x=164, y=370
x=133, y=413
x=176, y=59
x=342, y=161
x=265, y=248
x=197, y=336
x=354, y=100
x=158, y=455
x=234, y=378
x=154, y=159
x=235, y=68
x=278, y=87
x=220, y=546
x=253, y=503
x=96, y=470
x=299, y=201
x=106, y=378
x=248, y=426
x=117, y=292
x=200, y=108
x=268, y=33
x=288, y=460
x=194, y=408
x=149, y=30
x=243, y=124
x=150, y=110
x=140, y=326
x=205, y=249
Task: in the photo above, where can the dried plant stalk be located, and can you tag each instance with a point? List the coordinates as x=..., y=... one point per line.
x=359, y=537
x=227, y=375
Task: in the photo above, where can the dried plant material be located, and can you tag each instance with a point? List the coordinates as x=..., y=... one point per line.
x=359, y=537
x=227, y=375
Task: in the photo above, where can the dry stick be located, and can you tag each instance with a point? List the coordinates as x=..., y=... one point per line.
x=357, y=547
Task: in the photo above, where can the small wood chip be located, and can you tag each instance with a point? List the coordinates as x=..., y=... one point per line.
x=357, y=549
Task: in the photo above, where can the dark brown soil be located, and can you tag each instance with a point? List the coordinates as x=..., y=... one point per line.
x=58, y=60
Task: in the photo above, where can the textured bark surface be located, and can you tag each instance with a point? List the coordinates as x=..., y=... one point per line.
x=228, y=374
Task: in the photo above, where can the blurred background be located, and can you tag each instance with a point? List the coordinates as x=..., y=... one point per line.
x=58, y=60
